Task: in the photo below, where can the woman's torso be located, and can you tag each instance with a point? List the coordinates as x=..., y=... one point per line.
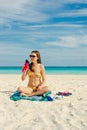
x=34, y=77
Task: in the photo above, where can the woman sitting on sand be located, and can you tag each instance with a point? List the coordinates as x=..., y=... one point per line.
x=36, y=74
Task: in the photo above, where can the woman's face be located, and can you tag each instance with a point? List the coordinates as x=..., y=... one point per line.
x=33, y=57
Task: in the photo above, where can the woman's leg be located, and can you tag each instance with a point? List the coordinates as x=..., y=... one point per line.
x=39, y=92
x=25, y=91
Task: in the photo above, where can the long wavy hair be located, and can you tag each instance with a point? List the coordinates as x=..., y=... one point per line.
x=38, y=60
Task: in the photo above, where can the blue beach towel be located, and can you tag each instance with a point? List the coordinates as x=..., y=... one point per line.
x=46, y=97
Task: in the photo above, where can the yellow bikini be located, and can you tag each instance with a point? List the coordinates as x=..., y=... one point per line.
x=33, y=74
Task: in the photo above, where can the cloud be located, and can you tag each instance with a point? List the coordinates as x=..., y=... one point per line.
x=54, y=35
x=74, y=13
x=22, y=10
x=69, y=41
x=50, y=26
x=34, y=11
x=13, y=49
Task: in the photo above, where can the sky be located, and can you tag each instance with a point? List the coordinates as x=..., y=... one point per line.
x=56, y=28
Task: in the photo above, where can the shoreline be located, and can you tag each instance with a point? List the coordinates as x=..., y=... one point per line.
x=50, y=70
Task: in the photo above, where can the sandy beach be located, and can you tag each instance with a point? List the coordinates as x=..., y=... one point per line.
x=67, y=113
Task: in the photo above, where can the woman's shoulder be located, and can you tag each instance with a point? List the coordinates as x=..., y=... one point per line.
x=41, y=66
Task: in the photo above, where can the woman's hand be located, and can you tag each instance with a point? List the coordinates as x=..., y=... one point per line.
x=24, y=74
x=39, y=87
x=25, y=67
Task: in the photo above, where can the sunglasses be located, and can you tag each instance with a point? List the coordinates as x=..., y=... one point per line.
x=32, y=56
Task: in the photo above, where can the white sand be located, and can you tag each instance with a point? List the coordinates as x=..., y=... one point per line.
x=68, y=113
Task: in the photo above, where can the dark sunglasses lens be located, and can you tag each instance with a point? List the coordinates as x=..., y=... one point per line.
x=32, y=56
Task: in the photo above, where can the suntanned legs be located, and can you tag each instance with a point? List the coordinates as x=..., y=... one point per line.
x=30, y=92
x=39, y=92
x=25, y=91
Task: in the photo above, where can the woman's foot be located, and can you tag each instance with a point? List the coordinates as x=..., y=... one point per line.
x=23, y=94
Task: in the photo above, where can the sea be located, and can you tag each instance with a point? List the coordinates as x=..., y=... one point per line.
x=50, y=70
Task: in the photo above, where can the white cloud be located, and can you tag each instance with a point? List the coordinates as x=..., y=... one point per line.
x=19, y=13
x=26, y=6
x=71, y=1
x=11, y=5
x=22, y=10
x=9, y=8
x=13, y=49
x=52, y=25
x=74, y=13
x=69, y=41
x=34, y=11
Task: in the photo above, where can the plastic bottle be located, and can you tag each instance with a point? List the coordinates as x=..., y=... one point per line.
x=25, y=66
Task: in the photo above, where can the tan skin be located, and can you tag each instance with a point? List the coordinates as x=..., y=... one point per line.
x=34, y=82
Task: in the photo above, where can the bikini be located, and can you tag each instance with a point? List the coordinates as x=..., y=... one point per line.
x=33, y=74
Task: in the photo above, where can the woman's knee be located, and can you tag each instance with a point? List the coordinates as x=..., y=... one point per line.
x=46, y=89
x=20, y=89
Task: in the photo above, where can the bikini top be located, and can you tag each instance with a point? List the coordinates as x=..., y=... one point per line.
x=33, y=74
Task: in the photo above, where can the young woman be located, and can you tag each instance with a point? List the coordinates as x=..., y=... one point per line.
x=37, y=78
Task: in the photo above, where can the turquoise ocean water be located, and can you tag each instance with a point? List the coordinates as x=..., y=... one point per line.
x=49, y=70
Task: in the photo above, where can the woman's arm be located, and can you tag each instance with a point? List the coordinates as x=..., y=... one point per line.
x=43, y=75
x=24, y=74
x=43, y=78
